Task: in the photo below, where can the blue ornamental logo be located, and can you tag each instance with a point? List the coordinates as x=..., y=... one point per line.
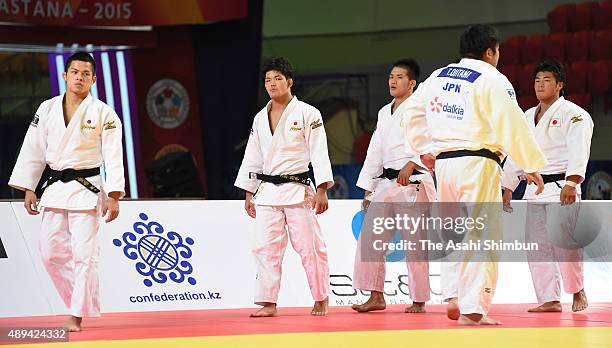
x=161, y=255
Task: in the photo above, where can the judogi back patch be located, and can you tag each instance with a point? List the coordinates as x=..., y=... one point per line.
x=35, y=120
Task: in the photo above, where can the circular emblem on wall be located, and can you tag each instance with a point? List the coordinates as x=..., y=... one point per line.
x=599, y=186
x=167, y=103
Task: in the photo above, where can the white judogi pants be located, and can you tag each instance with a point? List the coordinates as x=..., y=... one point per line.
x=471, y=180
x=370, y=269
x=276, y=224
x=70, y=252
x=545, y=223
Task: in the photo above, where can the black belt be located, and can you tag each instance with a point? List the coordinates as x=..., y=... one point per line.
x=553, y=177
x=390, y=173
x=301, y=178
x=464, y=153
x=68, y=175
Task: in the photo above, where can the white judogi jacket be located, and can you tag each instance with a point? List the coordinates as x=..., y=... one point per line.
x=564, y=133
x=470, y=105
x=299, y=139
x=92, y=138
x=386, y=149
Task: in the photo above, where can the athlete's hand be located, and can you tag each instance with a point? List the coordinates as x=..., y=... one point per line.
x=30, y=203
x=568, y=195
x=403, y=177
x=506, y=198
x=365, y=204
x=535, y=178
x=248, y=205
x=320, y=203
x=429, y=161
x=110, y=209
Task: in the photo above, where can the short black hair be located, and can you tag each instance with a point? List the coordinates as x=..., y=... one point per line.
x=81, y=56
x=552, y=66
x=414, y=71
x=476, y=39
x=281, y=65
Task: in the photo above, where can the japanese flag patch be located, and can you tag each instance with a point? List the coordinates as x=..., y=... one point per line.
x=555, y=122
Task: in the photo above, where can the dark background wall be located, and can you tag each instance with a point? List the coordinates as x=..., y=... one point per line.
x=227, y=62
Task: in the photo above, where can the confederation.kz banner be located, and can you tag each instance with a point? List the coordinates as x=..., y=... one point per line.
x=120, y=12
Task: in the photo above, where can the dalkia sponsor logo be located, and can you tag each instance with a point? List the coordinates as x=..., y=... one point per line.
x=437, y=105
x=453, y=109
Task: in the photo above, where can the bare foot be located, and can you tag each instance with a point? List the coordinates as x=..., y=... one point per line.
x=268, y=310
x=551, y=306
x=452, y=309
x=417, y=307
x=477, y=319
x=73, y=324
x=580, y=301
x=489, y=321
x=320, y=307
x=376, y=302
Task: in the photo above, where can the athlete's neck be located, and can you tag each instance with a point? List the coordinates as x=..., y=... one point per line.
x=282, y=101
x=398, y=100
x=546, y=103
x=72, y=99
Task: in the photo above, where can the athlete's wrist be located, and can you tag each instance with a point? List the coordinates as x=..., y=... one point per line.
x=114, y=195
x=571, y=183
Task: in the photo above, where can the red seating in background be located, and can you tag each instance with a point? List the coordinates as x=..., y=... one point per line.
x=513, y=73
x=510, y=50
x=533, y=49
x=581, y=99
x=555, y=46
x=581, y=36
x=599, y=78
x=581, y=19
x=525, y=85
x=608, y=63
x=577, y=77
x=600, y=17
x=526, y=102
x=578, y=46
x=558, y=18
x=600, y=44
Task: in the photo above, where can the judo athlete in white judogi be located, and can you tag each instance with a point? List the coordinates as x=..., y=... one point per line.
x=563, y=130
x=391, y=176
x=74, y=134
x=287, y=135
x=467, y=117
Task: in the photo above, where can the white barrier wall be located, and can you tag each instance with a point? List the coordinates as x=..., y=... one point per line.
x=173, y=255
